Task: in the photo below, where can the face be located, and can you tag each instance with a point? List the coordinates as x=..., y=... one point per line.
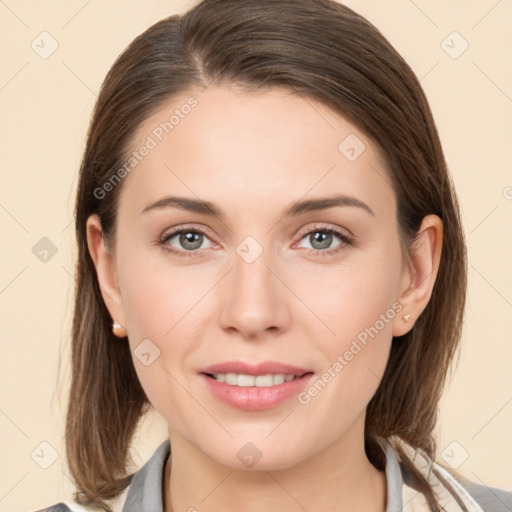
x=314, y=288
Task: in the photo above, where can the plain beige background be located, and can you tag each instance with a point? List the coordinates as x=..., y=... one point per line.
x=46, y=105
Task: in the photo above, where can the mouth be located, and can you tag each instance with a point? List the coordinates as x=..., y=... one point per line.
x=254, y=387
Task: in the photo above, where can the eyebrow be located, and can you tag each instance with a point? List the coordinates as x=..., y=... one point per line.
x=297, y=208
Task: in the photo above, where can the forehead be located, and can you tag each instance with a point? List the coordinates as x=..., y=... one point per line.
x=253, y=145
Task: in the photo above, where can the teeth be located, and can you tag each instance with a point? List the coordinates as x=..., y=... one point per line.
x=260, y=381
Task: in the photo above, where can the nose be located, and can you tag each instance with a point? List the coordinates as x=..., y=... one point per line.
x=255, y=302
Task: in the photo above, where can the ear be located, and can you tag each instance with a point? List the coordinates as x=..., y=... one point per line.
x=418, y=278
x=105, y=269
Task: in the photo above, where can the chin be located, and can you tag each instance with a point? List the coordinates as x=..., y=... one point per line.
x=257, y=456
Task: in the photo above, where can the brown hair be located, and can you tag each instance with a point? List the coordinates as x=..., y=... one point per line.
x=317, y=48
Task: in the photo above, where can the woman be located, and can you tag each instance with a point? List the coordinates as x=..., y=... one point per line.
x=270, y=255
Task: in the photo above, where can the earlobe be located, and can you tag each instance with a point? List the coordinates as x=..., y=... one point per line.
x=105, y=269
x=419, y=278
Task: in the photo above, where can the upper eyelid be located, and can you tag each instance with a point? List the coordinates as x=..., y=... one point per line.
x=184, y=228
x=326, y=227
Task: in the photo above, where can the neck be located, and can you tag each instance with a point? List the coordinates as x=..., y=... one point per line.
x=340, y=478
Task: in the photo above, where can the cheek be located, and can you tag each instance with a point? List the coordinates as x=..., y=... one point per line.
x=158, y=308
x=358, y=306
x=165, y=308
x=355, y=296
x=355, y=361
x=158, y=295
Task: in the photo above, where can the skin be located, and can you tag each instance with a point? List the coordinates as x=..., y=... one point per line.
x=253, y=154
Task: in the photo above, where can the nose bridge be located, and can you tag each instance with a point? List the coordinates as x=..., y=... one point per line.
x=255, y=299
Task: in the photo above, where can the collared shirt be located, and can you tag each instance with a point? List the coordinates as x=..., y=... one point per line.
x=145, y=492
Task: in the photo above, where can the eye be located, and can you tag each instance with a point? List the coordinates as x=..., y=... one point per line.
x=189, y=241
x=321, y=238
x=185, y=241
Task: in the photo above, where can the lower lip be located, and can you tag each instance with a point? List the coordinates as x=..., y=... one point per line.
x=252, y=398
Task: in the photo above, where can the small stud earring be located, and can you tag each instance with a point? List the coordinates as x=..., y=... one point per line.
x=119, y=330
x=406, y=318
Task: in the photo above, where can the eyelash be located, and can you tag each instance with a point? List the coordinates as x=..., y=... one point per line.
x=346, y=240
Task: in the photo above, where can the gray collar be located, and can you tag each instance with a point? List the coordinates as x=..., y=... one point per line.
x=145, y=493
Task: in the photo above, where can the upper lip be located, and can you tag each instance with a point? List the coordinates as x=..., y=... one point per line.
x=264, y=368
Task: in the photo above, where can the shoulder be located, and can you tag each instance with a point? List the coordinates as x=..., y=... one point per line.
x=67, y=507
x=449, y=484
x=145, y=486
x=59, y=507
x=115, y=505
x=490, y=499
